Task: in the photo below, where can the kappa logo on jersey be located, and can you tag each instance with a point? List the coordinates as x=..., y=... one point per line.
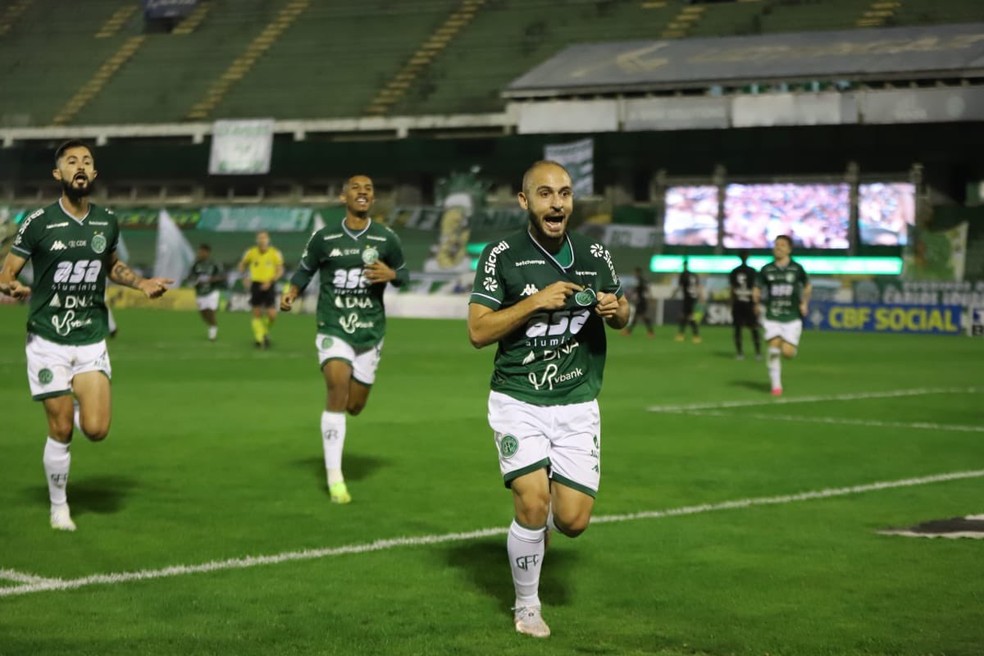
x=59, y=245
x=490, y=284
x=335, y=253
x=529, y=290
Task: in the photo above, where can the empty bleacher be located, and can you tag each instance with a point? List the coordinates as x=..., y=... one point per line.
x=336, y=58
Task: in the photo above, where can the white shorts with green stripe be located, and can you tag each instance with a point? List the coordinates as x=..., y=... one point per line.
x=564, y=439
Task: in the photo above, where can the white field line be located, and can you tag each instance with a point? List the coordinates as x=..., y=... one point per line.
x=24, y=577
x=248, y=562
x=856, y=396
x=841, y=421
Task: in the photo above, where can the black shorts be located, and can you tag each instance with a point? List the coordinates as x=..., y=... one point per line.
x=688, y=306
x=262, y=298
x=743, y=314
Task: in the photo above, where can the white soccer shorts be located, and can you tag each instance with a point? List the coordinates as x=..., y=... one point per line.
x=208, y=301
x=364, y=363
x=789, y=331
x=51, y=367
x=564, y=438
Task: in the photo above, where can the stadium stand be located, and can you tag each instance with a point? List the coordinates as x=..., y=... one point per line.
x=296, y=58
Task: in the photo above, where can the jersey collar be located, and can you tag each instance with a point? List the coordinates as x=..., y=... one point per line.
x=69, y=214
x=355, y=235
x=550, y=255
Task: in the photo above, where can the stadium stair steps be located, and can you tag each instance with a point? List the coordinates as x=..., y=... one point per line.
x=430, y=49
x=238, y=69
x=193, y=20
x=12, y=13
x=878, y=13
x=116, y=22
x=91, y=87
x=682, y=24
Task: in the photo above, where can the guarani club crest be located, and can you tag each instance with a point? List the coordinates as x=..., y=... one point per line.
x=370, y=256
x=508, y=445
x=98, y=243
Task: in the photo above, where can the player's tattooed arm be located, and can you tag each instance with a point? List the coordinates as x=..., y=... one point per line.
x=9, y=284
x=121, y=274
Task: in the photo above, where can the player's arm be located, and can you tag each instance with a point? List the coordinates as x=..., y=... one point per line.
x=310, y=261
x=613, y=309
x=487, y=326
x=9, y=284
x=280, y=269
x=122, y=274
x=805, y=298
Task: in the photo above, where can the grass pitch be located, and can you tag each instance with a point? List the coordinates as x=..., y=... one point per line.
x=215, y=454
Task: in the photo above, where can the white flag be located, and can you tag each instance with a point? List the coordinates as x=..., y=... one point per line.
x=174, y=254
x=122, y=252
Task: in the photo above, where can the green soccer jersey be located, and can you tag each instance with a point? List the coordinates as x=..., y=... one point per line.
x=202, y=274
x=557, y=357
x=71, y=260
x=349, y=306
x=783, y=287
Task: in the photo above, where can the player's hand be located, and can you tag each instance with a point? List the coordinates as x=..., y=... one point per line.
x=287, y=300
x=554, y=297
x=154, y=287
x=804, y=306
x=607, y=305
x=378, y=271
x=15, y=289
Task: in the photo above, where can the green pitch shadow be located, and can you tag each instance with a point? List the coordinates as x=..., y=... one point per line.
x=98, y=494
x=485, y=562
x=357, y=467
x=753, y=385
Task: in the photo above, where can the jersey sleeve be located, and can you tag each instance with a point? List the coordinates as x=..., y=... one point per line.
x=395, y=260
x=489, y=288
x=27, y=236
x=608, y=280
x=278, y=257
x=309, y=264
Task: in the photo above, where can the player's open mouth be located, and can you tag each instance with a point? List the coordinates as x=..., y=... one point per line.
x=554, y=219
x=80, y=177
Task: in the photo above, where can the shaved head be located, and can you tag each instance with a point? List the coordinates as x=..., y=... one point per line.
x=531, y=172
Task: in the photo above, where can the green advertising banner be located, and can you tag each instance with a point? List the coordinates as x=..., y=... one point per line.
x=251, y=219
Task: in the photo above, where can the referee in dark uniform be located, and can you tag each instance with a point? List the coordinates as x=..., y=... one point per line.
x=743, y=309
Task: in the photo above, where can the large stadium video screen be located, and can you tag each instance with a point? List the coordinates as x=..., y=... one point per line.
x=691, y=217
x=813, y=215
x=886, y=210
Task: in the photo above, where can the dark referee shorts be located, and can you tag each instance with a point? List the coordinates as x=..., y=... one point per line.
x=743, y=314
x=688, y=306
x=262, y=298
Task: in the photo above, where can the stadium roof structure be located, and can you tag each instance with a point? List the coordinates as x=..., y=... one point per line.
x=875, y=55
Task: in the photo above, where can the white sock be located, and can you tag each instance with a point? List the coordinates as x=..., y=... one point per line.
x=333, y=440
x=57, y=460
x=213, y=331
x=775, y=366
x=525, y=547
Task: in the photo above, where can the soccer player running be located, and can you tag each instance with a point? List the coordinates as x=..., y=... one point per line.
x=641, y=306
x=544, y=296
x=788, y=297
x=688, y=285
x=744, y=311
x=205, y=274
x=356, y=259
x=266, y=266
x=72, y=245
